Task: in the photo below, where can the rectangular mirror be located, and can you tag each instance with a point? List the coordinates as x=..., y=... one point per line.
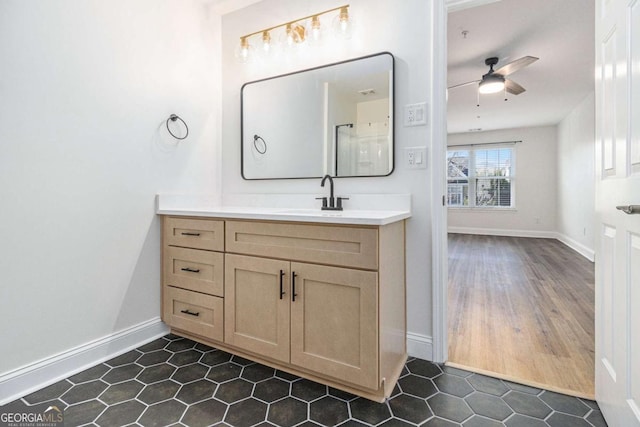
x=335, y=119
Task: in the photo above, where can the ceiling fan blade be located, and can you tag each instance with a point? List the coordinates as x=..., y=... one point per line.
x=513, y=87
x=463, y=84
x=514, y=66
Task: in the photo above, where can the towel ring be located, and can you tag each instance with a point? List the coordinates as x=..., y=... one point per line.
x=255, y=144
x=174, y=118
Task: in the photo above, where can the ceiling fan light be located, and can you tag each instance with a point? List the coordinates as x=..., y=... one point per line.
x=491, y=84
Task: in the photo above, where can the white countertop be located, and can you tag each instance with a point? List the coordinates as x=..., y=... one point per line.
x=347, y=216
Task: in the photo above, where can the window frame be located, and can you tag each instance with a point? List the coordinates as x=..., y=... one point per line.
x=472, y=179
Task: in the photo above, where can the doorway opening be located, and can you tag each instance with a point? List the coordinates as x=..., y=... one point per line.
x=521, y=285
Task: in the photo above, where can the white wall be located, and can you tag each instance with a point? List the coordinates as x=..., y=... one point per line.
x=85, y=88
x=536, y=185
x=576, y=171
x=305, y=128
x=377, y=31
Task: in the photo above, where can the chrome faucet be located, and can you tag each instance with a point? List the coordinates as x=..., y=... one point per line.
x=334, y=203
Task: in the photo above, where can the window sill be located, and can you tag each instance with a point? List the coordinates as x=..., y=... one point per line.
x=481, y=209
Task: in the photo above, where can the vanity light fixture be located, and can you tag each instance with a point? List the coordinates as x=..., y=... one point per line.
x=315, y=28
x=244, y=50
x=297, y=32
x=343, y=23
x=266, y=42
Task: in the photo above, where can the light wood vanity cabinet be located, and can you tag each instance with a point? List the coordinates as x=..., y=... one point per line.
x=257, y=314
x=326, y=302
x=334, y=323
x=193, y=276
x=315, y=317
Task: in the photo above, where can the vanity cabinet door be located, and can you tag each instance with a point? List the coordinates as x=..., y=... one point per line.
x=334, y=322
x=256, y=305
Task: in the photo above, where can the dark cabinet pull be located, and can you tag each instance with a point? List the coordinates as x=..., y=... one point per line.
x=191, y=270
x=190, y=234
x=293, y=286
x=281, y=285
x=190, y=313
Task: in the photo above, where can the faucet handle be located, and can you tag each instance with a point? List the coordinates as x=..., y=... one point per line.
x=339, y=202
x=324, y=201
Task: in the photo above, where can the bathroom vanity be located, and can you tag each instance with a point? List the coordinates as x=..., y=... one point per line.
x=315, y=294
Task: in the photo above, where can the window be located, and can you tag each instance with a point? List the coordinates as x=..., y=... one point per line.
x=480, y=177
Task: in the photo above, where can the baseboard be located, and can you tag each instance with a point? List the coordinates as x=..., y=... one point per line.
x=29, y=378
x=420, y=346
x=501, y=232
x=586, y=252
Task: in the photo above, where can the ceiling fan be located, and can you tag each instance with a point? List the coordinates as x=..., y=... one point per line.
x=496, y=80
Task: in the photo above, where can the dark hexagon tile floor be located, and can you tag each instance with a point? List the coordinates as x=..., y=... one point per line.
x=175, y=381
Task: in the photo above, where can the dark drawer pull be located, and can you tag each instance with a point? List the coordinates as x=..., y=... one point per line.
x=190, y=313
x=281, y=284
x=191, y=270
x=293, y=286
x=190, y=234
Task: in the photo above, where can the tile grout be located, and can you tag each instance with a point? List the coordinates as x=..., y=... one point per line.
x=419, y=398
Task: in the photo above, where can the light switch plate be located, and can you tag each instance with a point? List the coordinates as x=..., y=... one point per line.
x=415, y=114
x=415, y=157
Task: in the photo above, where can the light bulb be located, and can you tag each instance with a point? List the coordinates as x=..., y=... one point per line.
x=491, y=88
x=295, y=35
x=244, y=50
x=289, y=32
x=315, y=28
x=266, y=42
x=491, y=84
x=343, y=24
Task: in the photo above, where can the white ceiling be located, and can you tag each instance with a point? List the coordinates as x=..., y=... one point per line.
x=559, y=32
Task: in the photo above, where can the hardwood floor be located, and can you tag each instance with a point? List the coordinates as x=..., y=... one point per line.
x=522, y=309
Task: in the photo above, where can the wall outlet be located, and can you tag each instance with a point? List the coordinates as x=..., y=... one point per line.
x=415, y=157
x=415, y=114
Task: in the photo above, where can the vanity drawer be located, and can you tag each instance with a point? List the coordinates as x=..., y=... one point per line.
x=194, y=269
x=194, y=233
x=341, y=246
x=193, y=312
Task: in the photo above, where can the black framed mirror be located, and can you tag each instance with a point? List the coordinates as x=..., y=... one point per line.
x=336, y=119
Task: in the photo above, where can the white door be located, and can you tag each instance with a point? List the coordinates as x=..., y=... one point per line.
x=617, y=184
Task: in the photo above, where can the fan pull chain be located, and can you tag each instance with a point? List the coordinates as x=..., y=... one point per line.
x=478, y=98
